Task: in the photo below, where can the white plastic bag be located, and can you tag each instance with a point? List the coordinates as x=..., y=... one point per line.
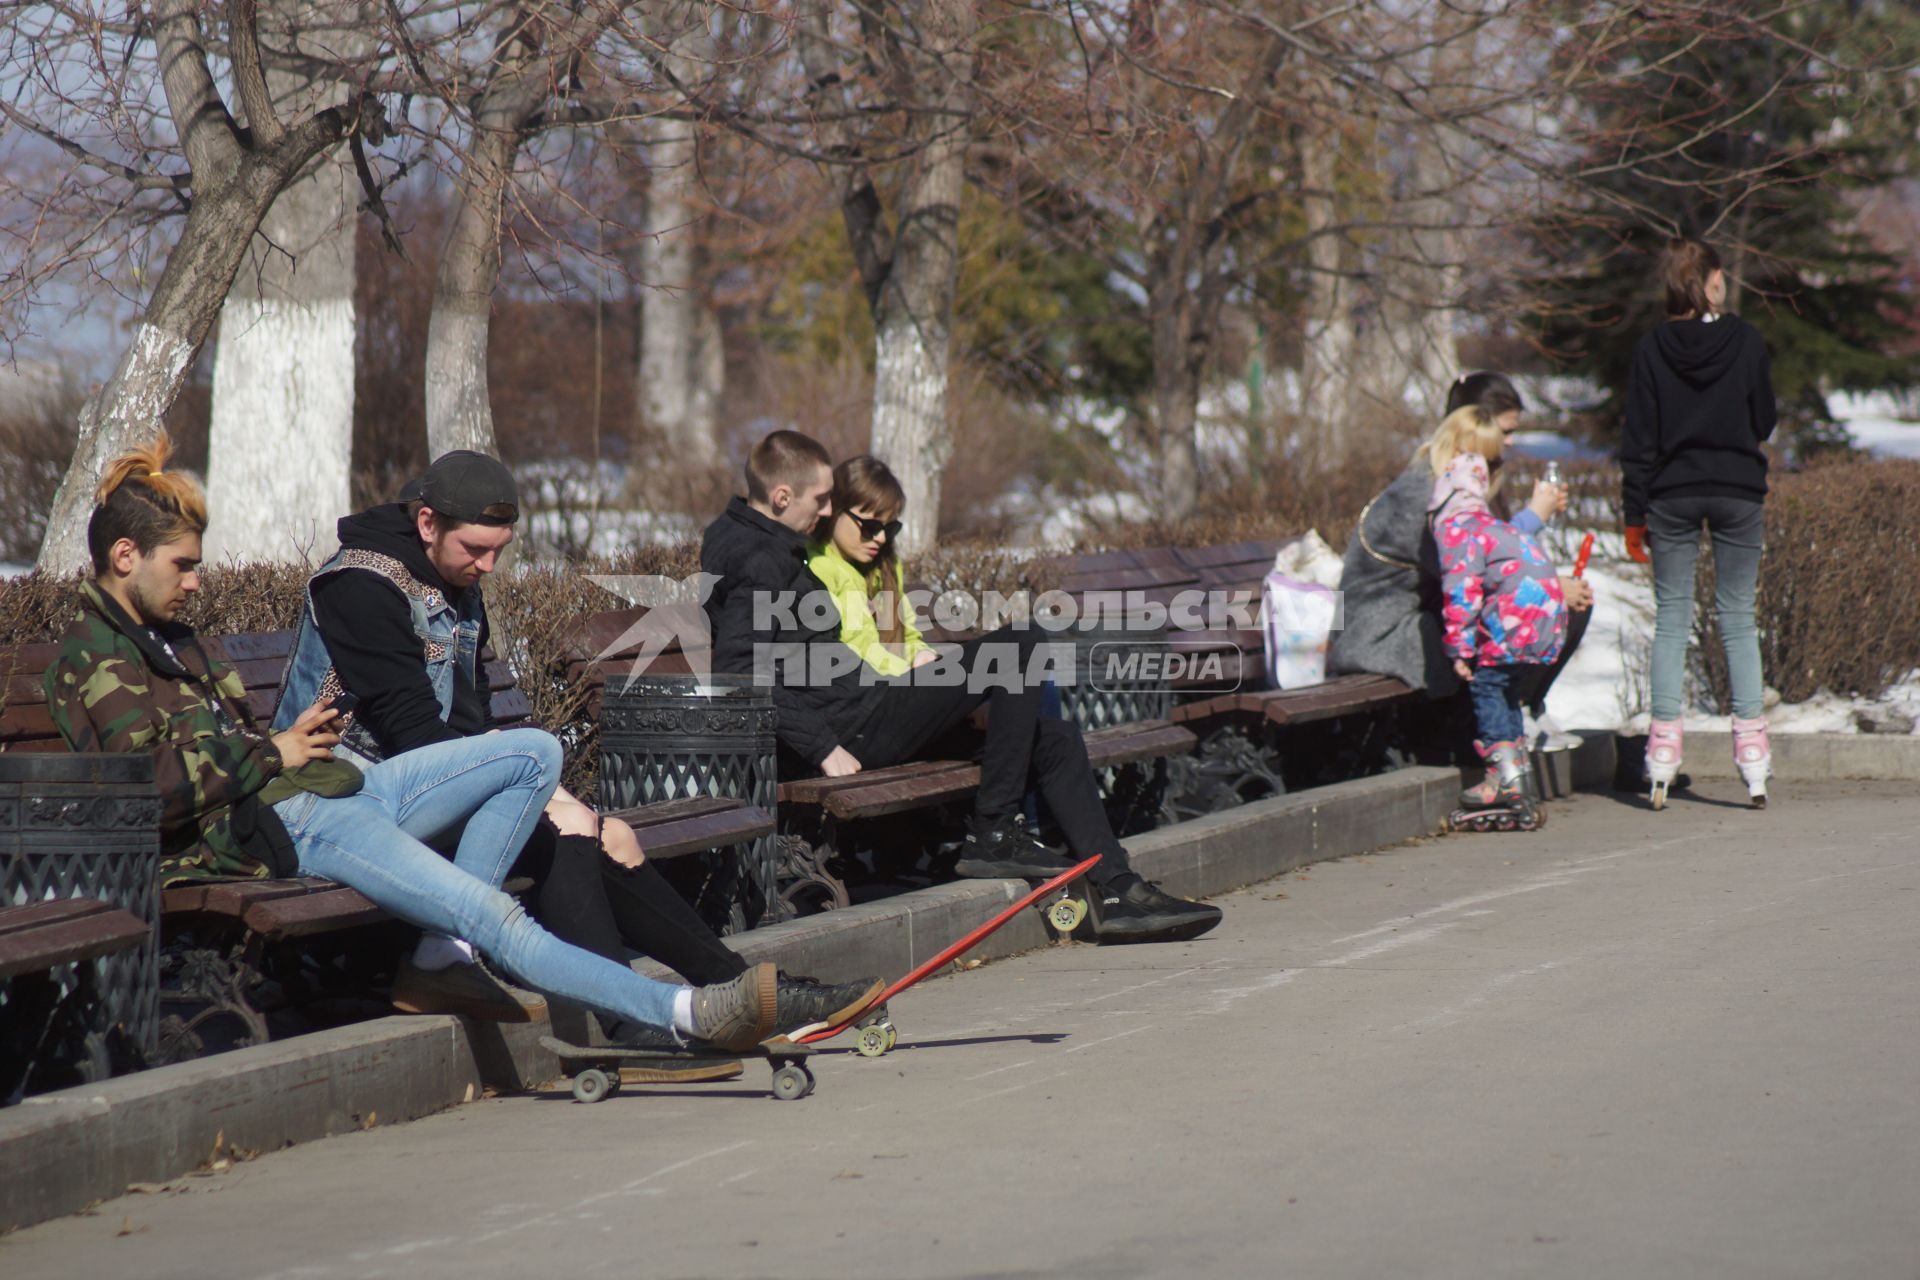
x=1301, y=607
x=1300, y=617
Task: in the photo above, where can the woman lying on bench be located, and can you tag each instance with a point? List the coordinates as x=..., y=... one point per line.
x=928, y=694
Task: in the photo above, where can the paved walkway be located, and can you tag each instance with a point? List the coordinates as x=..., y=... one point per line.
x=1631, y=1045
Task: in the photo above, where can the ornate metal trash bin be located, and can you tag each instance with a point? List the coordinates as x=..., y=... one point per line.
x=1118, y=677
x=87, y=826
x=671, y=737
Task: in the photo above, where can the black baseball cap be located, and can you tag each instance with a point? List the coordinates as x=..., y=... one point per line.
x=467, y=486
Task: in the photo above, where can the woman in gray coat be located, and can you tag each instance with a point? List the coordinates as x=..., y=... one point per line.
x=1391, y=579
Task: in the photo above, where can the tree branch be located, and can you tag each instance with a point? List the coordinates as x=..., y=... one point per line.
x=243, y=18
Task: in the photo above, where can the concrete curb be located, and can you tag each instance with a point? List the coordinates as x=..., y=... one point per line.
x=62, y=1151
x=1797, y=757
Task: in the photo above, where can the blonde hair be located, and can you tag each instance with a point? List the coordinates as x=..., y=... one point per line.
x=1468, y=430
x=141, y=500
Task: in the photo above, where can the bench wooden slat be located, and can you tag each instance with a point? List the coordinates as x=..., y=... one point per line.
x=816, y=790
x=702, y=832
x=653, y=815
x=883, y=795
x=38, y=936
x=38, y=915
x=299, y=915
x=1143, y=739
x=896, y=790
x=1259, y=550
x=248, y=646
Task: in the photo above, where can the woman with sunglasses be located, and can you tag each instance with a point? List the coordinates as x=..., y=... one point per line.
x=856, y=561
x=915, y=709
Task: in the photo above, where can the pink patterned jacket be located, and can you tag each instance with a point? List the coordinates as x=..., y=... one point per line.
x=1501, y=604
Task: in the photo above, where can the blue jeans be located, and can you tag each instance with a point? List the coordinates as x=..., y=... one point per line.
x=1673, y=538
x=1496, y=704
x=498, y=784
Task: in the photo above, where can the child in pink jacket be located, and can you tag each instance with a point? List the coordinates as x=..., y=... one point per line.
x=1502, y=603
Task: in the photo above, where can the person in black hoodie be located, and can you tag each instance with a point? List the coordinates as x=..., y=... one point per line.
x=400, y=620
x=773, y=619
x=1699, y=405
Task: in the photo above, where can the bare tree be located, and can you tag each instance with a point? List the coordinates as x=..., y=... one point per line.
x=280, y=440
x=234, y=176
x=908, y=264
x=682, y=362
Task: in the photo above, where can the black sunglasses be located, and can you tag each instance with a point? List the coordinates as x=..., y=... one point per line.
x=870, y=528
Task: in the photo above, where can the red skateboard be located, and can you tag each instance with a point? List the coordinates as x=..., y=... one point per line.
x=877, y=1033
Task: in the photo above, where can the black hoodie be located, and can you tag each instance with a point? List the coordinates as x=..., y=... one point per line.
x=1699, y=403
x=370, y=637
x=756, y=558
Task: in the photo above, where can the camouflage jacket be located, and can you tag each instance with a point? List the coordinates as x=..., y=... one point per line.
x=119, y=686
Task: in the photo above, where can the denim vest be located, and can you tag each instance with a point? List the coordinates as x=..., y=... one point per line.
x=449, y=637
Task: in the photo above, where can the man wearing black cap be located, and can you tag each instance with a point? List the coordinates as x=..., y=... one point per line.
x=396, y=619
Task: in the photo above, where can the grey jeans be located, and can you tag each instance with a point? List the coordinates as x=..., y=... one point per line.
x=1673, y=537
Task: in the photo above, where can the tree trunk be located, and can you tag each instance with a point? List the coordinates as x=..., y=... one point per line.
x=459, y=412
x=234, y=184
x=1179, y=358
x=913, y=310
x=280, y=442
x=677, y=392
x=1327, y=345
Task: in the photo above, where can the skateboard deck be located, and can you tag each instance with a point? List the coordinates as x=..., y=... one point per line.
x=877, y=1034
x=596, y=1068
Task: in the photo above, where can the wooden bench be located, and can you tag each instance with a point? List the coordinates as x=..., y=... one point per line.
x=38, y=1021
x=43, y=935
x=1222, y=691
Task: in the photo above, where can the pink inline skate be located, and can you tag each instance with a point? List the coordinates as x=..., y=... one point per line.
x=1663, y=759
x=1753, y=756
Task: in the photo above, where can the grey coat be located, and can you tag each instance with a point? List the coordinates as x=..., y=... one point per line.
x=1391, y=593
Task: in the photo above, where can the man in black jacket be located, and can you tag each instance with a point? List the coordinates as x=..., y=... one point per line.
x=397, y=619
x=773, y=618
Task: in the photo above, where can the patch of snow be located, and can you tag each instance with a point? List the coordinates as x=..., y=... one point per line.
x=1880, y=422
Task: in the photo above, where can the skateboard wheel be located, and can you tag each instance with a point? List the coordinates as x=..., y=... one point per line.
x=893, y=1037
x=1065, y=915
x=790, y=1083
x=591, y=1085
x=874, y=1040
x=808, y=1073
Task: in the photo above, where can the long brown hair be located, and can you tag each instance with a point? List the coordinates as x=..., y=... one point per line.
x=141, y=500
x=1687, y=266
x=865, y=481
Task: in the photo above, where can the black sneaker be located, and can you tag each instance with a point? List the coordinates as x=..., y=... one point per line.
x=676, y=1063
x=805, y=1003
x=1005, y=849
x=1142, y=912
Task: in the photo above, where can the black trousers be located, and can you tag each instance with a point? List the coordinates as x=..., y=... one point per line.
x=584, y=897
x=1532, y=683
x=1022, y=750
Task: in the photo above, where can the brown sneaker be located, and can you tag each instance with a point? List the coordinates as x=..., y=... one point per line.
x=466, y=989
x=738, y=1014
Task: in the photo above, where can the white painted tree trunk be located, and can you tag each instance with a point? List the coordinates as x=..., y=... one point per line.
x=280, y=444
x=910, y=428
x=678, y=389
x=913, y=311
x=234, y=184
